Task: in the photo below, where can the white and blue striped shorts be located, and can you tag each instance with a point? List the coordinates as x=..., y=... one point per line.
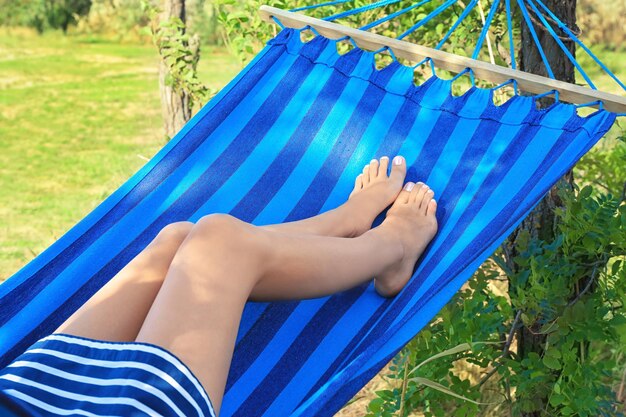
x=69, y=375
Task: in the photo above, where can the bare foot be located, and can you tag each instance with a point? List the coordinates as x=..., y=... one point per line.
x=412, y=221
x=373, y=192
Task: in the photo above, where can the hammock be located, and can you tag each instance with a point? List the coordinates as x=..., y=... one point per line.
x=284, y=141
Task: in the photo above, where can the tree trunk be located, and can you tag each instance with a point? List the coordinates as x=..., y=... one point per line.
x=541, y=223
x=174, y=105
x=530, y=59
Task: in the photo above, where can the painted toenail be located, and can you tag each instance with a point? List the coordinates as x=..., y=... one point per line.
x=397, y=160
x=409, y=186
x=384, y=157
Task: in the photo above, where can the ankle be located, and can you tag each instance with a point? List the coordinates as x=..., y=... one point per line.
x=347, y=217
x=390, y=246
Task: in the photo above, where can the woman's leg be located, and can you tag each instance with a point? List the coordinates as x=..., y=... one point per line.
x=131, y=292
x=374, y=190
x=196, y=313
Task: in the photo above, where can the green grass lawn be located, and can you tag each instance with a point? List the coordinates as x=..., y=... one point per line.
x=77, y=117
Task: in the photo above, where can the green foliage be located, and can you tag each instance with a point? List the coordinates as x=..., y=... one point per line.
x=60, y=14
x=22, y=13
x=245, y=33
x=43, y=14
x=202, y=19
x=180, y=53
x=117, y=19
x=474, y=316
x=572, y=292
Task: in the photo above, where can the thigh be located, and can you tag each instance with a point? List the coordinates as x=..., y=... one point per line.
x=197, y=312
x=117, y=311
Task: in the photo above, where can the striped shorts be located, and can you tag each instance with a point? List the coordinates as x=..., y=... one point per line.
x=69, y=375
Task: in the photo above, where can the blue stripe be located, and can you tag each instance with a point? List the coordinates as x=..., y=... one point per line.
x=98, y=390
x=401, y=127
x=307, y=130
x=165, y=402
x=471, y=156
x=312, y=201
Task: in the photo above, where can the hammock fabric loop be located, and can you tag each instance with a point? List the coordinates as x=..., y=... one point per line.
x=388, y=50
x=468, y=71
x=506, y=83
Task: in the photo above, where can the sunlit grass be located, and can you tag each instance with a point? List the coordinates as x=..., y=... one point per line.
x=77, y=118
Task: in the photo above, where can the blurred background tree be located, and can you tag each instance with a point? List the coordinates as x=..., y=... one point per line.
x=43, y=14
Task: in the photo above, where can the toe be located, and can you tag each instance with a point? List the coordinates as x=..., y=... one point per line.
x=358, y=183
x=415, y=191
x=383, y=166
x=428, y=197
x=404, y=195
x=398, y=170
x=432, y=208
x=366, y=174
x=418, y=195
x=373, y=169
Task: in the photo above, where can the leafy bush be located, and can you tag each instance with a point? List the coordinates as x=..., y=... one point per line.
x=121, y=19
x=43, y=14
x=60, y=14
x=126, y=19
x=202, y=19
x=22, y=13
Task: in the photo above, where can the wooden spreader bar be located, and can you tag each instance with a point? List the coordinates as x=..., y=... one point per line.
x=531, y=83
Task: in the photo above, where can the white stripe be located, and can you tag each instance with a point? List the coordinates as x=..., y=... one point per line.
x=121, y=364
x=99, y=381
x=50, y=408
x=162, y=353
x=78, y=397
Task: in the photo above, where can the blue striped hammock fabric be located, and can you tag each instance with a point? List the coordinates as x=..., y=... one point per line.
x=284, y=141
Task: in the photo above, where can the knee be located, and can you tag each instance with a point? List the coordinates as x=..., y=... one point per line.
x=221, y=245
x=223, y=236
x=175, y=232
x=220, y=227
